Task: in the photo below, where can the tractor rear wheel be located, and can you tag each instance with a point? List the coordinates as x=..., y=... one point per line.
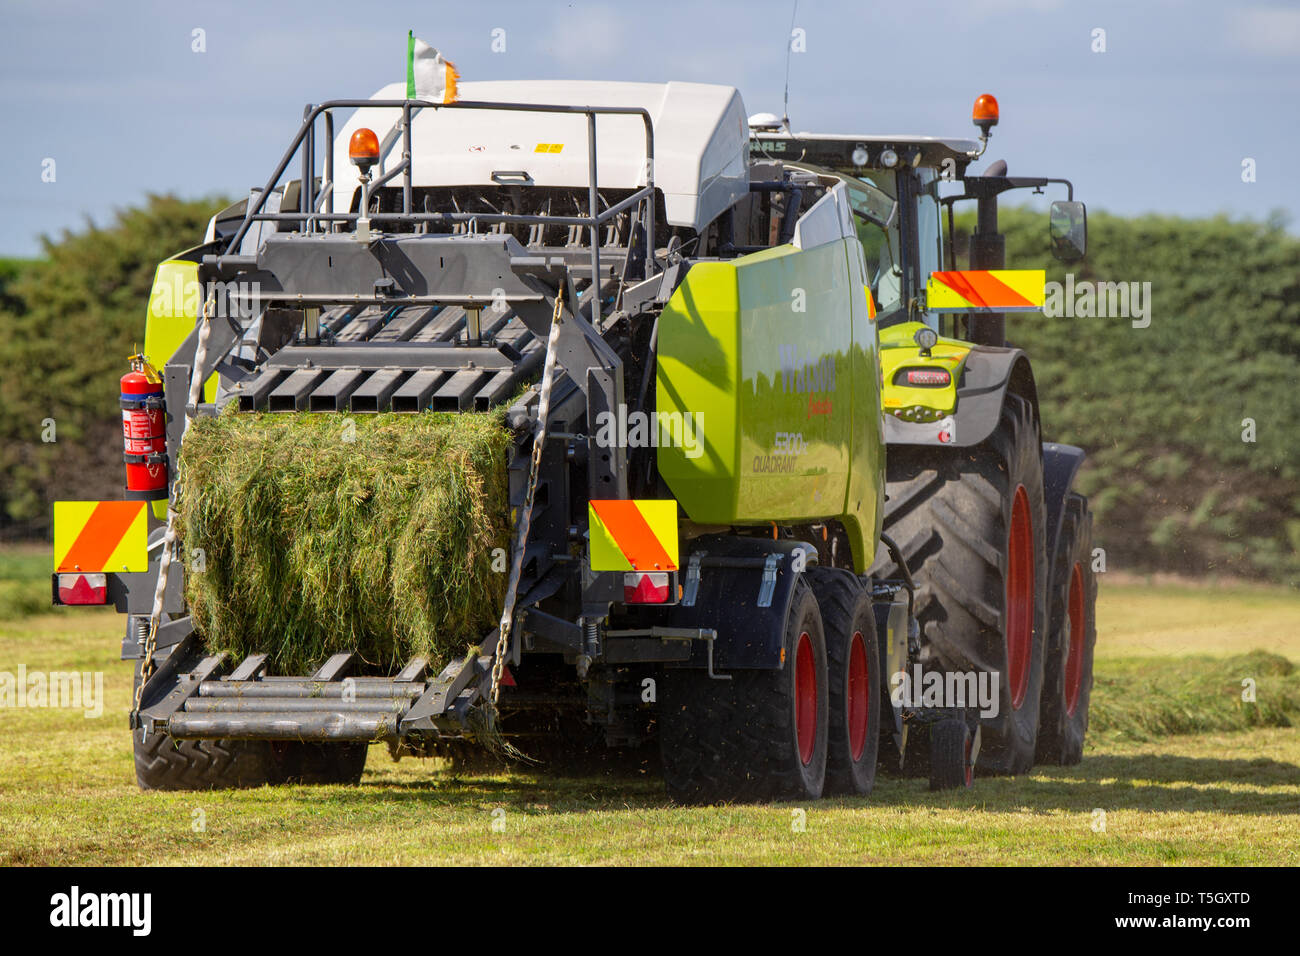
x=971, y=524
x=853, y=662
x=1067, y=683
x=761, y=734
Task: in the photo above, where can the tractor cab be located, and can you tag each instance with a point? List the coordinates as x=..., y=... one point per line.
x=913, y=177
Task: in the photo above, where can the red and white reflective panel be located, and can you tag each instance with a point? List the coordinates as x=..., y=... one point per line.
x=646, y=587
x=83, y=588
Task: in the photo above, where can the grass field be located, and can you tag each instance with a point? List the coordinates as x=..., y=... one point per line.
x=1175, y=786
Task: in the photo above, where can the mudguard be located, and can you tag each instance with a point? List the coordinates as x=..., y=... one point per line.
x=986, y=375
x=728, y=600
x=1060, y=465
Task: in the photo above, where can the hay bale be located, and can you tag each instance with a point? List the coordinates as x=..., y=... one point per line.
x=315, y=544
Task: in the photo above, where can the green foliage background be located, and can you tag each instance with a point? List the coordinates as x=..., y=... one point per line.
x=68, y=321
x=1159, y=409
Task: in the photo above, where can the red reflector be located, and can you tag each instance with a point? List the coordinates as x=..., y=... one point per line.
x=641, y=588
x=507, y=678
x=928, y=376
x=83, y=589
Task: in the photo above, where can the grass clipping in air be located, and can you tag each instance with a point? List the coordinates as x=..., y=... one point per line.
x=321, y=534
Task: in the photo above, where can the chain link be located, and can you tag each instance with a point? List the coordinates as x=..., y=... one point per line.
x=524, y=523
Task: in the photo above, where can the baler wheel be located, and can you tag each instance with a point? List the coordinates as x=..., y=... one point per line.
x=162, y=763
x=760, y=735
x=855, y=687
x=318, y=763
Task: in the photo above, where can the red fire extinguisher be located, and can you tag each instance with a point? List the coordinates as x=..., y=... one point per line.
x=144, y=431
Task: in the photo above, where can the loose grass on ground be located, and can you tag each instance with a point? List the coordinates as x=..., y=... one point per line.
x=67, y=792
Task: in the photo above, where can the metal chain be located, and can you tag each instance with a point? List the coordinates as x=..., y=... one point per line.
x=169, y=537
x=526, y=514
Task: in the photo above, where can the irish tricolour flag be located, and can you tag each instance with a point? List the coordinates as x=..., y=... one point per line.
x=429, y=75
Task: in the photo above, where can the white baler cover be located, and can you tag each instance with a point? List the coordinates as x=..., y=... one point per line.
x=701, y=141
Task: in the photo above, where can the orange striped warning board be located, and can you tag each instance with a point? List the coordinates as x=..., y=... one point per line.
x=986, y=290
x=627, y=535
x=96, y=536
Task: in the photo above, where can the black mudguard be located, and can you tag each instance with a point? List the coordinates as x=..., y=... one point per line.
x=1060, y=465
x=749, y=635
x=986, y=376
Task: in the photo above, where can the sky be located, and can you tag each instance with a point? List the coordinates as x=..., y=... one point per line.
x=1157, y=112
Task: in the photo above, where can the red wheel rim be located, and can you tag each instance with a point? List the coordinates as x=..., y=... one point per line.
x=1020, y=596
x=805, y=697
x=1074, y=654
x=859, y=696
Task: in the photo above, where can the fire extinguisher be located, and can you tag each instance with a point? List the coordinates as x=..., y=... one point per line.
x=144, y=431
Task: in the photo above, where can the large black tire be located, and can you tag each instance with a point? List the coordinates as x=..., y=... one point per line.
x=739, y=739
x=165, y=764
x=162, y=763
x=1067, y=681
x=853, y=681
x=981, y=603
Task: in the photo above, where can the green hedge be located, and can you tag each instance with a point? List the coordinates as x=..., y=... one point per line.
x=67, y=324
x=1159, y=409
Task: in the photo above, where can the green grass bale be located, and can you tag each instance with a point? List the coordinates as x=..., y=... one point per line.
x=320, y=533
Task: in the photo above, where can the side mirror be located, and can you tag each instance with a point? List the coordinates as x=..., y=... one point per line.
x=1068, y=229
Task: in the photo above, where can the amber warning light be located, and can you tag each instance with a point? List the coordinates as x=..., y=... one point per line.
x=363, y=148
x=985, y=112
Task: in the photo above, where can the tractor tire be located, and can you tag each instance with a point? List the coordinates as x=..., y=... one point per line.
x=760, y=735
x=950, y=763
x=971, y=525
x=162, y=763
x=853, y=685
x=1067, y=682
x=318, y=763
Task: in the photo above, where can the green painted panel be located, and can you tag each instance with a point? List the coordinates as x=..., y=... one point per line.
x=774, y=358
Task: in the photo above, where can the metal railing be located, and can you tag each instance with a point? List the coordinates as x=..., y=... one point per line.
x=311, y=215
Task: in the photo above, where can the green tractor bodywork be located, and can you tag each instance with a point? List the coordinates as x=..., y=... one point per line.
x=776, y=354
x=900, y=354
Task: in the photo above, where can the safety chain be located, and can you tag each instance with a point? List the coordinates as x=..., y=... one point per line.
x=526, y=514
x=169, y=537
